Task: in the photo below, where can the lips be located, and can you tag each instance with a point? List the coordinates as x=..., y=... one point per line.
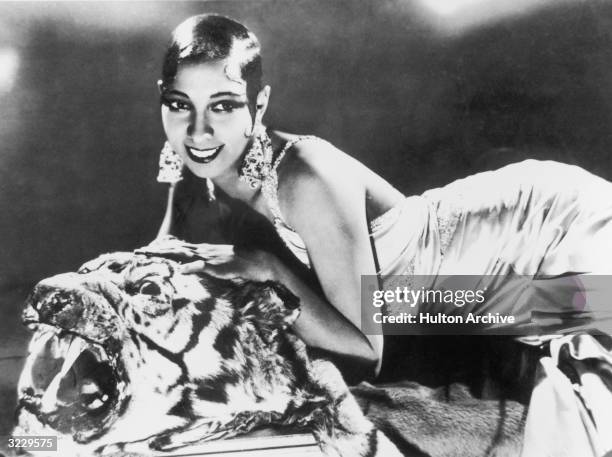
x=203, y=155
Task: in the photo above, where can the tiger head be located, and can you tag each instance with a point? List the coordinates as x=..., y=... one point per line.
x=129, y=347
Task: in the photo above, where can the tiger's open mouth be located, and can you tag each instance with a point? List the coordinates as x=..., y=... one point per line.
x=74, y=386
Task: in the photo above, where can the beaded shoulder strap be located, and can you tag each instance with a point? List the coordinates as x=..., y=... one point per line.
x=269, y=186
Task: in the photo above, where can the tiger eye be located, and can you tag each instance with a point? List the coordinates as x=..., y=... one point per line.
x=149, y=288
x=116, y=267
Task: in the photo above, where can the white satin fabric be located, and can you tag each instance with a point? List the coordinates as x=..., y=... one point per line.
x=528, y=221
x=522, y=223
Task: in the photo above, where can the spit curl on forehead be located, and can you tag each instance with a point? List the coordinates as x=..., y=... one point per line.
x=212, y=38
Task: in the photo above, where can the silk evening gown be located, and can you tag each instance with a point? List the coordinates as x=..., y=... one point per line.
x=545, y=225
x=538, y=223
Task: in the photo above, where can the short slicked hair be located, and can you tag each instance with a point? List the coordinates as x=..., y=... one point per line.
x=211, y=37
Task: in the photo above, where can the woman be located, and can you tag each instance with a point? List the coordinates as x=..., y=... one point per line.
x=340, y=219
x=213, y=103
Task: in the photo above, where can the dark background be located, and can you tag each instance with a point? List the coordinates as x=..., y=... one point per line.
x=418, y=97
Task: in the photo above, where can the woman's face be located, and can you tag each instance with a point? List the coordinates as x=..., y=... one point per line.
x=205, y=115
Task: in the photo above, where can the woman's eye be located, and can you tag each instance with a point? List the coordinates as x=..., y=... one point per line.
x=226, y=106
x=149, y=288
x=178, y=106
x=175, y=105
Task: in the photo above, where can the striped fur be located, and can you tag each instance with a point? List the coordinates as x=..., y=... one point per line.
x=168, y=359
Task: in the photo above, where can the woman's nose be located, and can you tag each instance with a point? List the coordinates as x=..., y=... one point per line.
x=199, y=127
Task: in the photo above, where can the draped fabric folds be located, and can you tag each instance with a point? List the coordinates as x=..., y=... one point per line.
x=542, y=229
x=570, y=413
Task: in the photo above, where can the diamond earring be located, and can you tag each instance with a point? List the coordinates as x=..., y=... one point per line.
x=258, y=159
x=170, y=165
x=210, y=190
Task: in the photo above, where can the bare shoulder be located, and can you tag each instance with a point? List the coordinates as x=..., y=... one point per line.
x=312, y=160
x=308, y=151
x=315, y=174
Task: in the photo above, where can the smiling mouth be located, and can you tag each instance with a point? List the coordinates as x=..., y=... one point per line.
x=203, y=155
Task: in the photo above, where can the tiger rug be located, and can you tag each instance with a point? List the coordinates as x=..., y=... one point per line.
x=130, y=355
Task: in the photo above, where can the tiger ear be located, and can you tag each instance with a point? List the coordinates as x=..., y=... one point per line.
x=271, y=305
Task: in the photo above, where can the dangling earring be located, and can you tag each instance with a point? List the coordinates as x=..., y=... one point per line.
x=170, y=165
x=210, y=190
x=258, y=159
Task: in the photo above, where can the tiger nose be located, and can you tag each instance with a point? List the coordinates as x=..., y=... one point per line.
x=56, y=301
x=49, y=298
x=43, y=304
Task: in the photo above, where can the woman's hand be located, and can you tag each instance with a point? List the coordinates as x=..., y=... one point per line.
x=220, y=260
x=226, y=261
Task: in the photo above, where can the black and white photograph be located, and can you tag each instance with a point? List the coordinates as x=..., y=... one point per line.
x=340, y=228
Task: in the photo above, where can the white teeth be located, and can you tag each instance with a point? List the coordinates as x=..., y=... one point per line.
x=95, y=404
x=37, y=346
x=89, y=387
x=49, y=399
x=204, y=153
x=39, y=340
x=92, y=388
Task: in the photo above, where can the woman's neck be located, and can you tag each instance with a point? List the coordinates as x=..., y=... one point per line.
x=234, y=187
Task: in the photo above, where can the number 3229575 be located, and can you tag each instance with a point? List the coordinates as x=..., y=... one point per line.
x=33, y=443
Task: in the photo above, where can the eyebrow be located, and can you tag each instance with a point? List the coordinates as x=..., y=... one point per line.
x=226, y=94
x=174, y=92
x=215, y=95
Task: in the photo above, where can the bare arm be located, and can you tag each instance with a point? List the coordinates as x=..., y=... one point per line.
x=166, y=225
x=322, y=326
x=329, y=213
x=323, y=198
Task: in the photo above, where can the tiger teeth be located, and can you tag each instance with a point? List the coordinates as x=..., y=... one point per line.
x=39, y=341
x=89, y=388
x=95, y=404
x=76, y=346
x=59, y=347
